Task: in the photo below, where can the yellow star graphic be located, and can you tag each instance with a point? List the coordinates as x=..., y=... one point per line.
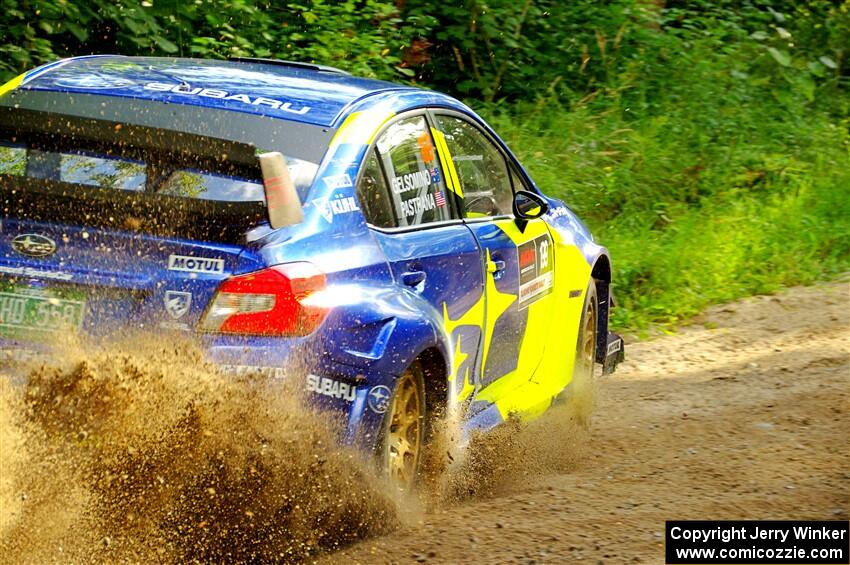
x=459, y=357
x=496, y=305
x=483, y=314
x=472, y=317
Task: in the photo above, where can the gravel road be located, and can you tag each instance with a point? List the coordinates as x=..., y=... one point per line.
x=742, y=415
x=144, y=454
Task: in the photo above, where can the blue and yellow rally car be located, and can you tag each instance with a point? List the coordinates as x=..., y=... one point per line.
x=378, y=241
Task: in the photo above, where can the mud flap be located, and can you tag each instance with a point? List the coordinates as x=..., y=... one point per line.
x=614, y=353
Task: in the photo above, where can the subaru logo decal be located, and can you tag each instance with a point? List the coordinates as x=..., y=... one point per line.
x=379, y=399
x=177, y=303
x=34, y=245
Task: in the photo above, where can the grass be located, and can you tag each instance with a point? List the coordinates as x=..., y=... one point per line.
x=699, y=202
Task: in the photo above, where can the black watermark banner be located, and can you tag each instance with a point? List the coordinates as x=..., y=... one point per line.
x=752, y=541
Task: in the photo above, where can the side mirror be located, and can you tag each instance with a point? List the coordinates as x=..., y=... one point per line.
x=282, y=203
x=528, y=206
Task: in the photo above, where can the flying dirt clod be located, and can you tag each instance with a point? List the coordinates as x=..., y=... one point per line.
x=150, y=455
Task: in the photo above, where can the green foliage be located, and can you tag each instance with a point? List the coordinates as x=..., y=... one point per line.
x=367, y=37
x=706, y=141
x=693, y=221
x=716, y=166
x=507, y=47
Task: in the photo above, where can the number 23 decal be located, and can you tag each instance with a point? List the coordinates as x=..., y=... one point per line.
x=536, y=276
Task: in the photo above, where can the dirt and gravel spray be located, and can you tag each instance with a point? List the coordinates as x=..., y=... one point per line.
x=147, y=454
x=143, y=452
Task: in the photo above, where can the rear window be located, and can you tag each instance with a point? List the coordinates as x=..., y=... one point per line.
x=164, y=183
x=112, y=172
x=145, y=166
x=90, y=170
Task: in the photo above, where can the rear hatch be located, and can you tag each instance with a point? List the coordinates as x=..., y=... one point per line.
x=107, y=226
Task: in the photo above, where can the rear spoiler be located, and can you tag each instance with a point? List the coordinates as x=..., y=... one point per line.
x=282, y=203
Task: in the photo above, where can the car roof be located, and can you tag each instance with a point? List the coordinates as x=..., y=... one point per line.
x=290, y=91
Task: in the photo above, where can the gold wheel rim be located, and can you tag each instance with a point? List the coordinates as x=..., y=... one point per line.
x=403, y=437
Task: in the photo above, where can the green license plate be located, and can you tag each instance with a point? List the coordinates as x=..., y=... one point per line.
x=32, y=313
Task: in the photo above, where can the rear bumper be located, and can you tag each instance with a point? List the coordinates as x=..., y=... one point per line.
x=614, y=353
x=328, y=384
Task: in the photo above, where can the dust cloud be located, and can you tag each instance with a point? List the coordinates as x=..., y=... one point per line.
x=150, y=455
x=146, y=453
x=510, y=456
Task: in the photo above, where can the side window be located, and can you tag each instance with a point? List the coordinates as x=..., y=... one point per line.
x=407, y=154
x=374, y=194
x=481, y=169
x=518, y=183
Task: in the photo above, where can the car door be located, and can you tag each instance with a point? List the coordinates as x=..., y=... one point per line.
x=431, y=253
x=518, y=263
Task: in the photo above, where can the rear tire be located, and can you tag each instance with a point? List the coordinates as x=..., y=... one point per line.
x=402, y=437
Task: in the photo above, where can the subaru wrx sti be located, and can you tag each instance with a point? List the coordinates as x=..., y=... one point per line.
x=380, y=235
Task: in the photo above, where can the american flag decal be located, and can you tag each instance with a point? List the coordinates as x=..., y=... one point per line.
x=439, y=198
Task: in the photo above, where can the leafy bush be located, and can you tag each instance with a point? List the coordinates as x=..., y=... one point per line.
x=706, y=141
x=367, y=37
x=714, y=167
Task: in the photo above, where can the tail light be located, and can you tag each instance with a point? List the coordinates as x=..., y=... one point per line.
x=267, y=302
